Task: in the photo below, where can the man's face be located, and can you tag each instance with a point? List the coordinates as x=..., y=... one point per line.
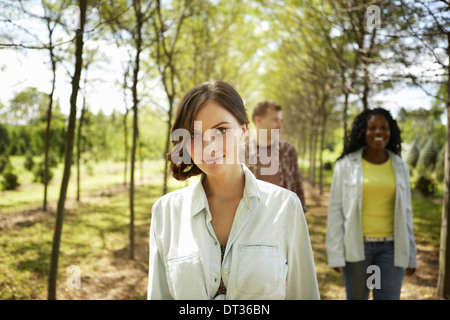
x=271, y=120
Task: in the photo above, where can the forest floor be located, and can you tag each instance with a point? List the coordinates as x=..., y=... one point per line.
x=95, y=239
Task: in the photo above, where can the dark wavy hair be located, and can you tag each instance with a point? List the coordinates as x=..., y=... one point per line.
x=357, y=137
x=219, y=91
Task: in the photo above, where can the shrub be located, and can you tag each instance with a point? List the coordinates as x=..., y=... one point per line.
x=328, y=166
x=4, y=162
x=426, y=186
x=39, y=173
x=52, y=161
x=413, y=155
x=427, y=159
x=29, y=162
x=440, y=165
x=9, y=181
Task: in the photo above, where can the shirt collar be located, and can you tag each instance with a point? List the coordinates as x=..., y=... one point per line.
x=200, y=202
x=357, y=155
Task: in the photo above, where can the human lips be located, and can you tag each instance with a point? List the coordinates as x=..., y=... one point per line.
x=212, y=160
x=379, y=142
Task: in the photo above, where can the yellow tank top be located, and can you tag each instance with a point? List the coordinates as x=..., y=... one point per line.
x=378, y=202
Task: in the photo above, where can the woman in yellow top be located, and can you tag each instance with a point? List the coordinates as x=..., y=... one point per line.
x=369, y=229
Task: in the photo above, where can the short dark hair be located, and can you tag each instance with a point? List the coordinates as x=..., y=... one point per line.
x=357, y=137
x=219, y=91
x=262, y=107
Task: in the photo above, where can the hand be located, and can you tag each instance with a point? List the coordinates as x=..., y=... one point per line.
x=410, y=271
x=338, y=269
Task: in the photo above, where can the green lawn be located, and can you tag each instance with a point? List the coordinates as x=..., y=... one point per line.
x=94, y=177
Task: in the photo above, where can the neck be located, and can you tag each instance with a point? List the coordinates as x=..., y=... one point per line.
x=375, y=156
x=229, y=185
x=264, y=142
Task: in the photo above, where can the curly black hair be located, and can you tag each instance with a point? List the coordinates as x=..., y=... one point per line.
x=357, y=137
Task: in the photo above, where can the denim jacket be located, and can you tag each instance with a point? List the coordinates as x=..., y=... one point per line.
x=344, y=239
x=268, y=253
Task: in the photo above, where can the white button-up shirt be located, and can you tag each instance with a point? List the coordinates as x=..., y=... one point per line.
x=268, y=254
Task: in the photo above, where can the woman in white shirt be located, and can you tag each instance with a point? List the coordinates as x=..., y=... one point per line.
x=228, y=236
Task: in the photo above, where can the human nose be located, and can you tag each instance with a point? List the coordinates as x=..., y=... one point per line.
x=209, y=148
x=212, y=145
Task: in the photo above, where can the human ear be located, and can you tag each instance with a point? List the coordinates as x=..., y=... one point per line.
x=257, y=120
x=244, y=130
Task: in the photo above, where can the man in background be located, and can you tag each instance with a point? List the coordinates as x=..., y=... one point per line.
x=267, y=117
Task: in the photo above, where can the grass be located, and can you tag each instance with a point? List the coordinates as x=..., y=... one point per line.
x=107, y=173
x=427, y=215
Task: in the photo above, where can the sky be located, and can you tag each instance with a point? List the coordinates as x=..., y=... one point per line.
x=32, y=69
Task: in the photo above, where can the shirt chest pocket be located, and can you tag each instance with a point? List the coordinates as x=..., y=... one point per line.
x=186, y=277
x=261, y=270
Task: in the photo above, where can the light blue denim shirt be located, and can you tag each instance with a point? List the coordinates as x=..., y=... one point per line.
x=345, y=241
x=268, y=254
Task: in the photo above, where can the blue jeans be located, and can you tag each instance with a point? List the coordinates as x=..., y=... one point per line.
x=377, y=270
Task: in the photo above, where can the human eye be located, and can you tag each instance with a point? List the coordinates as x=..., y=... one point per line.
x=195, y=135
x=221, y=131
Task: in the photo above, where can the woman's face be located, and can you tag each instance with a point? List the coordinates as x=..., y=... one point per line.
x=215, y=138
x=377, y=132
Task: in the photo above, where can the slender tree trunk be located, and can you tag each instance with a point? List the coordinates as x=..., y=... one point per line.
x=125, y=125
x=169, y=83
x=303, y=146
x=345, y=118
x=322, y=139
x=138, y=39
x=49, y=118
x=68, y=153
x=166, y=150
x=365, y=95
x=80, y=125
x=170, y=96
x=366, y=62
x=313, y=154
x=125, y=133
x=132, y=171
x=141, y=160
x=322, y=143
x=444, y=254
x=311, y=139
